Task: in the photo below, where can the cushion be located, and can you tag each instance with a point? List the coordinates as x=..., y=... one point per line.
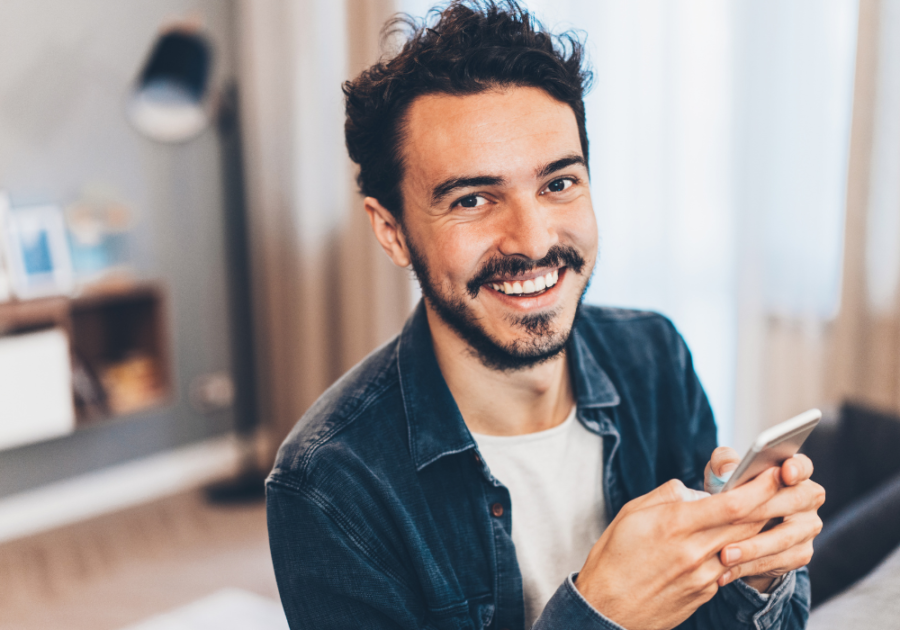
x=873, y=603
x=855, y=540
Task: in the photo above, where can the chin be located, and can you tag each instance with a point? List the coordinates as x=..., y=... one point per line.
x=531, y=339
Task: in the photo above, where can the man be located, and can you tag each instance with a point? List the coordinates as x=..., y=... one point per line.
x=513, y=459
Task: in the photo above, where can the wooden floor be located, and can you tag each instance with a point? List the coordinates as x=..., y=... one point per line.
x=118, y=569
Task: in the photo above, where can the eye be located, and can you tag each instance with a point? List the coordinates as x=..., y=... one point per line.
x=472, y=201
x=559, y=185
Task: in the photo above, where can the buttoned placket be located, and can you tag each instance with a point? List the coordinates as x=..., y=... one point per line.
x=508, y=589
x=431, y=439
x=509, y=611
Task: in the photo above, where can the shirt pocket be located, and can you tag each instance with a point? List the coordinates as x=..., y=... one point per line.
x=475, y=613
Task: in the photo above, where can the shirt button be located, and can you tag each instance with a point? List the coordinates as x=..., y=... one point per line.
x=497, y=510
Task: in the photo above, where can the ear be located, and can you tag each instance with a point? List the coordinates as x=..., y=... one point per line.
x=388, y=231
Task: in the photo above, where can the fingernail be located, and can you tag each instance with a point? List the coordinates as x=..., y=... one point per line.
x=718, y=481
x=792, y=471
x=732, y=555
x=726, y=577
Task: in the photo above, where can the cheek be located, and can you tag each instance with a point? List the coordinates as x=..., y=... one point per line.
x=460, y=249
x=580, y=230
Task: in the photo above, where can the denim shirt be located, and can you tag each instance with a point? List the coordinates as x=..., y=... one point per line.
x=383, y=515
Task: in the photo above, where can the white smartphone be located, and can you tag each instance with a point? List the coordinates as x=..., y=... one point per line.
x=773, y=447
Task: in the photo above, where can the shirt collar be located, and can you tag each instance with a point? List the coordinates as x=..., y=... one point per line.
x=436, y=427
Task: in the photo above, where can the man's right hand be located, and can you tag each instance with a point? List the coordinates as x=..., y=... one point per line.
x=658, y=561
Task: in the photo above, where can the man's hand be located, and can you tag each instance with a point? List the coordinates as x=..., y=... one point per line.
x=659, y=559
x=785, y=543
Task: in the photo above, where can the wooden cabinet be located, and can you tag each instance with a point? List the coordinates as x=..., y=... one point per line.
x=119, y=345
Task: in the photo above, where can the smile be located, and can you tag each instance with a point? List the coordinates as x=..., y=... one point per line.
x=531, y=286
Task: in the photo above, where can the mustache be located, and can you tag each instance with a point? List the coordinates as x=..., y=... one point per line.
x=558, y=256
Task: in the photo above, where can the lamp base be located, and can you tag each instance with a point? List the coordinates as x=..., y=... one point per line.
x=248, y=486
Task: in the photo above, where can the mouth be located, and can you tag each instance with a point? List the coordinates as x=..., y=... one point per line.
x=528, y=285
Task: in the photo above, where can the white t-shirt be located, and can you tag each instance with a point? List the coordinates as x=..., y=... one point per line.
x=555, y=482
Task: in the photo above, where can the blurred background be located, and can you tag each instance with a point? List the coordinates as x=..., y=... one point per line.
x=185, y=266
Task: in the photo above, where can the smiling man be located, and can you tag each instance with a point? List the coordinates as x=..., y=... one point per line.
x=514, y=459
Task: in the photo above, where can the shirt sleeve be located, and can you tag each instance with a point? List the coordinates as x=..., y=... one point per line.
x=569, y=609
x=737, y=606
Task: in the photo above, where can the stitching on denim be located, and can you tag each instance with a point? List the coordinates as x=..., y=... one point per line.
x=774, y=607
x=406, y=407
x=492, y=541
x=337, y=427
x=345, y=524
x=570, y=587
x=453, y=609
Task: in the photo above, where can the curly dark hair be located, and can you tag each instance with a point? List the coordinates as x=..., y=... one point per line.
x=465, y=48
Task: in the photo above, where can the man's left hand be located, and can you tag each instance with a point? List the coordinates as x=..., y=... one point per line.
x=790, y=518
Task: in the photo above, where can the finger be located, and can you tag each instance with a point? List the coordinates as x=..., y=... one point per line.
x=723, y=459
x=796, y=469
x=805, y=497
x=732, y=507
x=720, y=537
x=721, y=464
x=773, y=566
x=803, y=528
x=673, y=491
x=709, y=573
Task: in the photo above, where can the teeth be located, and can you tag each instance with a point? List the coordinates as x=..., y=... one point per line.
x=549, y=279
x=528, y=286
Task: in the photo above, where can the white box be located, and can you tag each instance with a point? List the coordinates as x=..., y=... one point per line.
x=35, y=387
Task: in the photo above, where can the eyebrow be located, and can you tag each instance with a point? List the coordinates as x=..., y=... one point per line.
x=445, y=188
x=560, y=164
x=442, y=190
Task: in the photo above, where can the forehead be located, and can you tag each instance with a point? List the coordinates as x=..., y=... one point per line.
x=504, y=131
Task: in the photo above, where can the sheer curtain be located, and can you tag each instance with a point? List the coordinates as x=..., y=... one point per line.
x=864, y=355
x=719, y=140
x=325, y=294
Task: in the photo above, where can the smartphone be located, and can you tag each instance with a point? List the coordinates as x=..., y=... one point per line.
x=773, y=447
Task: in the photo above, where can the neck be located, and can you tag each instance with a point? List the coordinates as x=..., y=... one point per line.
x=494, y=402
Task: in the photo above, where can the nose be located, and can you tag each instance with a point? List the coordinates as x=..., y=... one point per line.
x=527, y=229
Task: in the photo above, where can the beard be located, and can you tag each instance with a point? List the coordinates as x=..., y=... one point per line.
x=542, y=342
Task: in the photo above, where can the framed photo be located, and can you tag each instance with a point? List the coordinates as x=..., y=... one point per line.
x=38, y=251
x=5, y=278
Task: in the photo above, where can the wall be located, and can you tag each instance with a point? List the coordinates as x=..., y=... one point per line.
x=65, y=69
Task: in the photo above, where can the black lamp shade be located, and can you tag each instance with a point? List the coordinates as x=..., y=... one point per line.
x=167, y=104
x=182, y=59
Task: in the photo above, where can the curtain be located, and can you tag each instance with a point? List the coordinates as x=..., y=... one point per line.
x=863, y=360
x=719, y=140
x=325, y=294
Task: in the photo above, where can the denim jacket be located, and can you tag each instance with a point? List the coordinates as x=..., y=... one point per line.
x=382, y=514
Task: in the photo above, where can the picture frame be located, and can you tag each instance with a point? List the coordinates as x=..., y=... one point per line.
x=38, y=251
x=5, y=277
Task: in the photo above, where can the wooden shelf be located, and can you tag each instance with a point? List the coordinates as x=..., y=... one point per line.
x=118, y=342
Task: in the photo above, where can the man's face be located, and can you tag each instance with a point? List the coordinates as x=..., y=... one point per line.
x=498, y=219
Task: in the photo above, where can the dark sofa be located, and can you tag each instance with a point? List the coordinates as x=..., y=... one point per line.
x=857, y=459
